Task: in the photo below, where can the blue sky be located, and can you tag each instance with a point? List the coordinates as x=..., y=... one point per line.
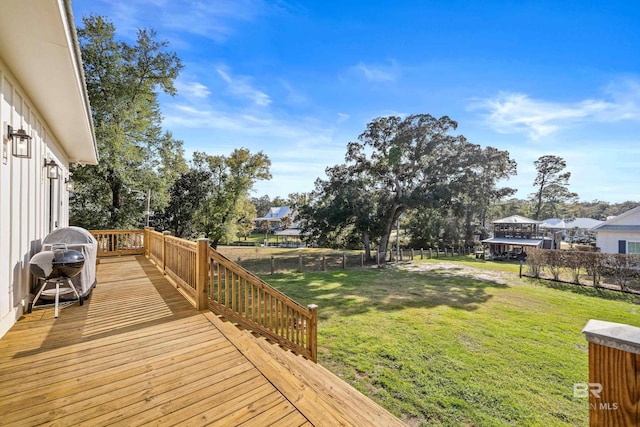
x=300, y=79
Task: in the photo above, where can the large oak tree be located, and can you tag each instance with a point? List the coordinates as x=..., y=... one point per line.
x=123, y=84
x=397, y=165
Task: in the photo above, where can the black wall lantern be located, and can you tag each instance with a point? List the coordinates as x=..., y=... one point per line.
x=20, y=143
x=53, y=171
x=68, y=183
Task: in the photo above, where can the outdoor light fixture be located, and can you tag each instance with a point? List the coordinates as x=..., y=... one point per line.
x=20, y=142
x=68, y=183
x=53, y=171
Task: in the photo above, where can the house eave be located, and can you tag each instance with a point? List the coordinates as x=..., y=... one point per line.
x=614, y=220
x=39, y=46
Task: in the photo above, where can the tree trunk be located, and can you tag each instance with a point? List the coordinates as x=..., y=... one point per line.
x=468, y=235
x=539, y=204
x=114, y=209
x=367, y=245
x=388, y=227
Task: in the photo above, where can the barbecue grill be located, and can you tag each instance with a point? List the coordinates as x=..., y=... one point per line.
x=57, y=263
x=78, y=239
x=55, y=266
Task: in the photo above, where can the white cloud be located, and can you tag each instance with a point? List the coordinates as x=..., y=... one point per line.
x=303, y=133
x=342, y=117
x=214, y=20
x=239, y=85
x=192, y=89
x=512, y=112
x=294, y=97
x=376, y=73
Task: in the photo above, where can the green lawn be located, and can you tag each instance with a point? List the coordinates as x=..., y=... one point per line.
x=442, y=349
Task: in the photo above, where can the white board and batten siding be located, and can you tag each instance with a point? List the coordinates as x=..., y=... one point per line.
x=620, y=234
x=30, y=204
x=43, y=91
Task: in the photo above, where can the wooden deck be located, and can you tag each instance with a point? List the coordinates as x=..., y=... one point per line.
x=137, y=353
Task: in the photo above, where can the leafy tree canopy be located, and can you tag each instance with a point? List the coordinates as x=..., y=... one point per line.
x=552, y=187
x=123, y=83
x=224, y=213
x=399, y=165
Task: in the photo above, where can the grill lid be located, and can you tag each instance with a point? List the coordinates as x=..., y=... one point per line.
x=56, y=263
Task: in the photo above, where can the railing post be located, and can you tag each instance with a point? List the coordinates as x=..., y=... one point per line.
x=146, y=243
x=164, y=250
x=614, y=373
x=312, y=332
x=202, y=271
x=521, y=269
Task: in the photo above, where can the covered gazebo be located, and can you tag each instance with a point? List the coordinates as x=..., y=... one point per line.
x=511, y=235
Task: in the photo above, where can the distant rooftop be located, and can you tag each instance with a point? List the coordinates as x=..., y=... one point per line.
x=553, y=223
x=585, y=223
x=515, y=219
x=557, y=223
x=276, y=213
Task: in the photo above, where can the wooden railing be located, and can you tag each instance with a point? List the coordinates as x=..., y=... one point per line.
x=248, y=300
x=613, y=389
x=180, y=265
x=209, y=280
x=154, y=246
x=119, y=242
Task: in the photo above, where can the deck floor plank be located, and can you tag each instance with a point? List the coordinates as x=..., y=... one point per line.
x=90, y=394
x=137, y=353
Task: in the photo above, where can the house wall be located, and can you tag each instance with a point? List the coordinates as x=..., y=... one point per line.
x=30, y=204
x=607, y=241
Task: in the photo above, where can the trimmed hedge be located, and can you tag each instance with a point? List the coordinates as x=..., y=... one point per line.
x=619, y=268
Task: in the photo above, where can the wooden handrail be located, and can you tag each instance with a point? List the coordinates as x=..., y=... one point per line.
x=119, y=242
x=614, y=374
x=209, y=280
x=248, y=300
x=180, y=265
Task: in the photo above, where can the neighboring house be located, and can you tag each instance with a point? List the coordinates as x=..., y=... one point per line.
x=579, y=230
x=620, y=234
x=513, y=234
x=275, y=217
x=554, y=229
x=291, y=235
x=553, y=225
x=43, y=94
x=575, y=230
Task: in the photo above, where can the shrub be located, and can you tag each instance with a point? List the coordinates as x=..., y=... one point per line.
x=535, y=261
x=554, y=261
x=575, y=261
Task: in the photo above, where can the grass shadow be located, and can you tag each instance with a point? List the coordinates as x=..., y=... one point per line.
x=350, y=293
x=587, y=290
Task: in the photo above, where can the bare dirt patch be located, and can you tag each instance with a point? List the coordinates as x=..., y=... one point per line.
x=455, y=269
